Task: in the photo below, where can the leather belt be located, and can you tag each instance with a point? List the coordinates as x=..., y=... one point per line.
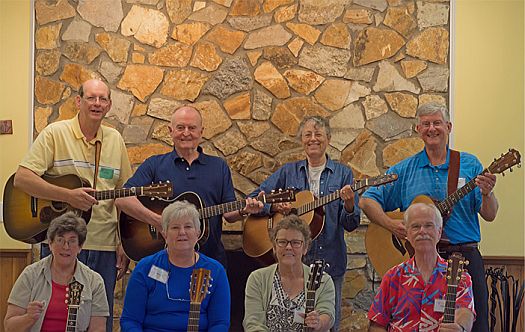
x=447, y=247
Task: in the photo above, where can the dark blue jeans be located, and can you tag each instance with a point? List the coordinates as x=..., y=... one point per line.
x=103, y=262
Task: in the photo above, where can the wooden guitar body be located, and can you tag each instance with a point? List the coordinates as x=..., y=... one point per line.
x=27, y=218
x=140, y=239
x=256, y=232
x=386, y=250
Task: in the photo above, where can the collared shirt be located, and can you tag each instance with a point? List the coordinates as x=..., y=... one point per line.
x=405, y=302
x=207, y=176
x=34, y=284
x=61, y=148
x=417, y=176
x=330, y=245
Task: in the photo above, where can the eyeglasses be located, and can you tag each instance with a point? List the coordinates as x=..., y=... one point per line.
x=70, y=243
x=416, y=227
x=101, y=100
x=284, y=243
x=436, y=124
x=182, y=128
x=168, y=292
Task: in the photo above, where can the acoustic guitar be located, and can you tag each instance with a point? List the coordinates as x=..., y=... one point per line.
x=386, y=250
x=256, y=239
x=199, y=285
x=314, y=281
x=73, y=299
x=140, y=239
x=454, y=272
x=27, y=218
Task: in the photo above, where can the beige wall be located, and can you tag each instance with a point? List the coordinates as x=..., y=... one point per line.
x=488, y=100
x=489, y=106
x=15, y=71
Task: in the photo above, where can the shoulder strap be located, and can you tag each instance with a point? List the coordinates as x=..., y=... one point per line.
x=98, y=147
x=453, y=172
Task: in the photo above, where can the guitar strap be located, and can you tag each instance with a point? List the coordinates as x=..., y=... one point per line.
x=98, y=147
x=453, y=176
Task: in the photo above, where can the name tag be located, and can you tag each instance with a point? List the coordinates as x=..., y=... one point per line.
x=461, y=182
x=158, y=274
x=439, y=305
x=106, y=173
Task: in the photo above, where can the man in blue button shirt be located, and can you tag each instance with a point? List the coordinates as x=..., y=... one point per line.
x=322, y=176
x=426, y=173
x=189, y=169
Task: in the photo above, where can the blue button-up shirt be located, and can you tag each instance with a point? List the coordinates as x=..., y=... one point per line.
x=207, y=176
x=330, y=245
x=417, y=176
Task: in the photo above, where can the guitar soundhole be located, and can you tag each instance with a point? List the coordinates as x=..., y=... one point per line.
x=399, y=246
x=59, y=206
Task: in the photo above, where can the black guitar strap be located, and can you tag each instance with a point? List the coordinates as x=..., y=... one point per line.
x=98, y=147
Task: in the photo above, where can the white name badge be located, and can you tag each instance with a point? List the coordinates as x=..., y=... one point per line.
x=439, y=305
x=158, y=274
x=461, y=182
x=298, y=316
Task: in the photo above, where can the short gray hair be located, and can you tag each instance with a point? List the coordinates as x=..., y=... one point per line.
x=295, y=223
x=178, y=210
x=68, y=222
x=432, y=108
x=319, y=123
x=438, y=220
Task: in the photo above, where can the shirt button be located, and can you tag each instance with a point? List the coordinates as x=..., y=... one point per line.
x=320, y=247
x=187, y=168
x=322, y=192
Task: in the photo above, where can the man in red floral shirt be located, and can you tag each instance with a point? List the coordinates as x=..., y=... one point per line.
x=412, y=295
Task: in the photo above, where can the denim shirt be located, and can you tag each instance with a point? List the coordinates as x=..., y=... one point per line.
x=330, y=245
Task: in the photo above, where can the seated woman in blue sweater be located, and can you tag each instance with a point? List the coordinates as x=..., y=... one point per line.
x=158, y=297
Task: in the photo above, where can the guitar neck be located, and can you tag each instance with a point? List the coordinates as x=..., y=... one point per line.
x=71, y=325
x=450, y=304
x=329, y=198
x=215, y=210
x=194, y=316
x=445, y=206
x=310, y=306
x=117, y=193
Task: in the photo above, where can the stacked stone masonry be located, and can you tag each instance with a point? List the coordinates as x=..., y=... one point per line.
x=254, y=68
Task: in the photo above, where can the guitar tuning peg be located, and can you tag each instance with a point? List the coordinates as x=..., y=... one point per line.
x=503, y=173
x=510, y=169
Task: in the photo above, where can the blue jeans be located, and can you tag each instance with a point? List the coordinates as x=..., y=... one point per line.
x=338, y=283
x=103, y=262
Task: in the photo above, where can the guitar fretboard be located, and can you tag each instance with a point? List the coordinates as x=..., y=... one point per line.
x=117, y=193
x=71, y=325
x=450, y=304
x=194, y=316
x=358, y=184
x=445, y=206
x=310, y=305
x=216, y=210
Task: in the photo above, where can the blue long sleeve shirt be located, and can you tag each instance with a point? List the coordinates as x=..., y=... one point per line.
x=152, y=305
x=330, y=245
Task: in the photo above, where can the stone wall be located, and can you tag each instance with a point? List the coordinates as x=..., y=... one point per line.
x=254, y=68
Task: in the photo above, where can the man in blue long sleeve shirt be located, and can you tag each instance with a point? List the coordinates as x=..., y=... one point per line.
x=322, y=176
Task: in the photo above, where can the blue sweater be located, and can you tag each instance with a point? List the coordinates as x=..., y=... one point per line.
x=151, y=305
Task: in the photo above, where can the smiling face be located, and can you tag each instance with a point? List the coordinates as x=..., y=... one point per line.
x=291, y=253
x=65, y=248
x=314, y=140
x=434, y=130
x=182, y=234
x=186, y=129
x=95, y=102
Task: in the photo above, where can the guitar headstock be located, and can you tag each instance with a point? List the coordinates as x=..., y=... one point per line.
x=161, y=189
x=455, y=268
x=200, y=282
x=74, y=291
x=316, y=274
x=374, y=181
x=506, y=161
x=279, y=196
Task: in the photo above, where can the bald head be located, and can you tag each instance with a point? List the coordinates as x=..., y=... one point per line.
x=184, y=112
x=93, y=84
